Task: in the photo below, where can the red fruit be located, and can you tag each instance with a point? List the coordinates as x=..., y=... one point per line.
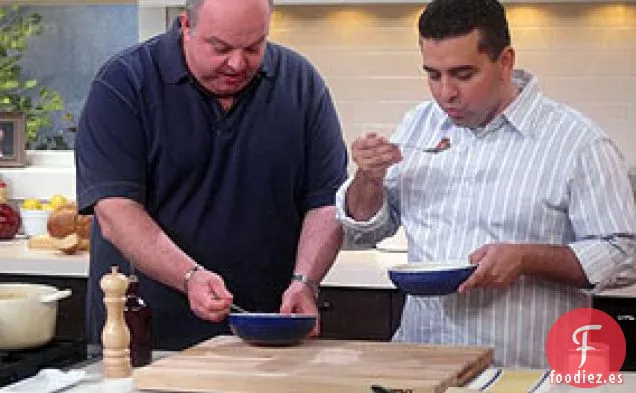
x=9, y=221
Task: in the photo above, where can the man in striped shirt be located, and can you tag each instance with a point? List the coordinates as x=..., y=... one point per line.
x=529, y=189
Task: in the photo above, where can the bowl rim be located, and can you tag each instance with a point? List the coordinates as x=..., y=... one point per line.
x=432, y=266
x=259, y=315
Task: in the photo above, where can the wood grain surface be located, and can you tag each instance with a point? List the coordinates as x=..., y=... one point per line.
x=226, y=364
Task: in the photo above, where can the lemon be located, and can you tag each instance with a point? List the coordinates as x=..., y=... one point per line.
x=58, y=201
x=31, y=204
x=47, y=206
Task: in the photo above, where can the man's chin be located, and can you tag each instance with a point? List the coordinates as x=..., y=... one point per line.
x=227, y=89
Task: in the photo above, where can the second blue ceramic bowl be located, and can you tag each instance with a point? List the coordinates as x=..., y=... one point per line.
x=430, y=279
x=271, y=329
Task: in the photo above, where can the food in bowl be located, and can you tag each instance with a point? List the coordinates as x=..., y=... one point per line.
x=430, y=278
x=272, y=329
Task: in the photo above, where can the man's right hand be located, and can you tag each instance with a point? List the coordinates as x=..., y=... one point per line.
x=374, y=154
x=208, y=297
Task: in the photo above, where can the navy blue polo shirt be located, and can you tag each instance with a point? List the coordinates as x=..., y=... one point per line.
x=230, y=189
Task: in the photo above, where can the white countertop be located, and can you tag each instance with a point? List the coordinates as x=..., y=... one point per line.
x=17, y=258
x=355, y=269
x=366, y=268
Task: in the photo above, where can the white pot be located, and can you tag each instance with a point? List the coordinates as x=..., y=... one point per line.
x=28, y=313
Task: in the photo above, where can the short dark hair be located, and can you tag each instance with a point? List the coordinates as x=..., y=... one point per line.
x=452, y=18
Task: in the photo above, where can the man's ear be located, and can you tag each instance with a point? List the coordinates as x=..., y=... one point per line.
x=185, y=23
x=507, y=61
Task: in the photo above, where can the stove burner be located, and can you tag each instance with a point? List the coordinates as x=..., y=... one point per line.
x=20, y=364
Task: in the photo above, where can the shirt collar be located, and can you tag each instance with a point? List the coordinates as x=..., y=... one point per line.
x=172, y=61
x=522, y=112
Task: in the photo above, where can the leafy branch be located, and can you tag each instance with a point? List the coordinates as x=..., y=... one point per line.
x=16, y=94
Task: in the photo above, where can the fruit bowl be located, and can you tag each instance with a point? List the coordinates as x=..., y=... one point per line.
x=430, y=278
x=271, y=329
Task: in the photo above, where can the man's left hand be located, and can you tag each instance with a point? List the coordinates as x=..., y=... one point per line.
x=498, y=266
x=299, y=299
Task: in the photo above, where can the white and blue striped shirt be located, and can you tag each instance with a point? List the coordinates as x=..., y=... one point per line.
x=539, y=173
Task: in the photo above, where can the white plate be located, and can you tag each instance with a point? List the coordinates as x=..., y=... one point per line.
x=46, y=381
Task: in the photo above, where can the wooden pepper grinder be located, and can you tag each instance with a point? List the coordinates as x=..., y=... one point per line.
x=115, y=335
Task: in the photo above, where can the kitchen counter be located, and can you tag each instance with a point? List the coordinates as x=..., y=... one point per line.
x=363, y=268
x=17, y=258
x=93, y=382
x=353, y=269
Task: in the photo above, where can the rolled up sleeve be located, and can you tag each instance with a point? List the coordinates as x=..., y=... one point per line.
x=367, y=232
x=603, y=217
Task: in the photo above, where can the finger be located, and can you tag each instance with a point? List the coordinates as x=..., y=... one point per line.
x=367, y=141
x=476, y=256
x=381, y=158
x=477, y=278
x=287, y=306
x=315, y=332
x=218, y=289
x=209, y=309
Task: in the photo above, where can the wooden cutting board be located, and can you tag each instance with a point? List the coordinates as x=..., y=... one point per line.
x=227, y=365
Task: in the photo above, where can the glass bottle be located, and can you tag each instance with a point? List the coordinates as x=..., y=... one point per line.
x=9, y=216
x=138, y=315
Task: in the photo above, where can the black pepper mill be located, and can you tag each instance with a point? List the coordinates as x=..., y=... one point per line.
x=137, y=315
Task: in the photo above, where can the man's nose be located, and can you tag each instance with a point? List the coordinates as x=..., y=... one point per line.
x=448, y=90
x=236, y=60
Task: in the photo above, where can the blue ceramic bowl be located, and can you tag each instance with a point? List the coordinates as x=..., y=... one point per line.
x=271, y=329
x=430, y=279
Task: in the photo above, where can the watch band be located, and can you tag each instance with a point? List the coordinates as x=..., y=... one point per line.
x=313, y=285
x=188, y=275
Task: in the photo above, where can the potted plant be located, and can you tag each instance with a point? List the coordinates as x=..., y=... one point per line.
x=17, y=93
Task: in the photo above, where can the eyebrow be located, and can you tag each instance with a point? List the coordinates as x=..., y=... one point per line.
x=216, y=40
x=453, y=70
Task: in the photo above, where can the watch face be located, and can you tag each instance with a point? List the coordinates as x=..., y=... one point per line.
x=309, y=282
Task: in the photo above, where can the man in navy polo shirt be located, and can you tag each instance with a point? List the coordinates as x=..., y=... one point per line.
x=210, y=159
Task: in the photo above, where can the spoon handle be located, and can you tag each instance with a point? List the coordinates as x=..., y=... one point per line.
x=442, y=145
x=237, y=308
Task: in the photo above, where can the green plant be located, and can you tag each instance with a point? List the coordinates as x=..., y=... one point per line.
x=17, y=94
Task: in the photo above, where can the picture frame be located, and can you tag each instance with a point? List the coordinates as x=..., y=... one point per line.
x=12, y=139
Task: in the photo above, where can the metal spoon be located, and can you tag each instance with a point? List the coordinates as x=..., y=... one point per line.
x=443, y=144
x=237, y=308
x=234, y=306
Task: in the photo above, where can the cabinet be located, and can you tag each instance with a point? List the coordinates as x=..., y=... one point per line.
x=359, y=313
x=623, y=310
x=70, y=311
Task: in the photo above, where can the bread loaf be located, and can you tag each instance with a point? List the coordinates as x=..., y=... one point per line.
x=83, y=225
x=68, y=244
x=61, y=222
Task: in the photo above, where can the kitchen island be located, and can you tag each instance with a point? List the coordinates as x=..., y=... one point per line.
x=355, y=288
x=93, y=382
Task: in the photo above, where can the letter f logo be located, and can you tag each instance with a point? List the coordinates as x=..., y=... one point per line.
x=584, y=347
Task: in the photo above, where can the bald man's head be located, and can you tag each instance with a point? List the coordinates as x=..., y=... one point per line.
x=192, y=8
x=224, y=46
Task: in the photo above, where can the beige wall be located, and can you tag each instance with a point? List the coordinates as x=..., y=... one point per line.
x=584, y=55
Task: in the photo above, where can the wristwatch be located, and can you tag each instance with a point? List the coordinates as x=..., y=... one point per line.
x=313, y=285
x=188, y=275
